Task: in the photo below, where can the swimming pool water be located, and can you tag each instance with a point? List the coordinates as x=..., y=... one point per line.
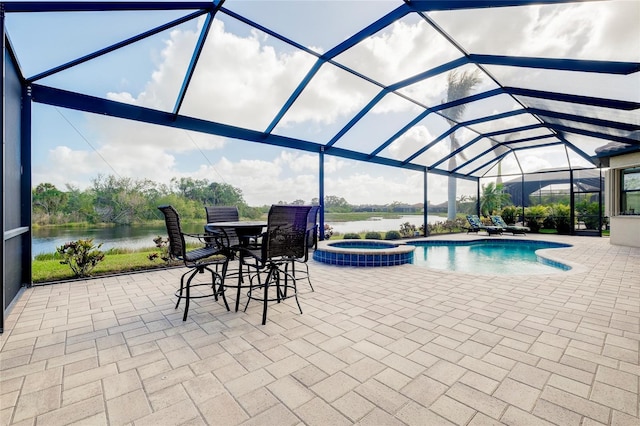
x=487, y=257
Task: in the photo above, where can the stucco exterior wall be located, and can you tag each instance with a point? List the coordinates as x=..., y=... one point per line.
x=625, y=229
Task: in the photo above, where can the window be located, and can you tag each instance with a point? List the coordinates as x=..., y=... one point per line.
x=630, y=191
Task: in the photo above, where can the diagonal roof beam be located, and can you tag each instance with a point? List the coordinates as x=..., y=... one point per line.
x=587, y=120
x=605, y=67
x=575, y=99
x=590, y=133
x=434, y=5
x=194, y=58
x=102, y=6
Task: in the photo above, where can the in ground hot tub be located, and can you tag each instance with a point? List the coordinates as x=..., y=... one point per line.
x=363, y=253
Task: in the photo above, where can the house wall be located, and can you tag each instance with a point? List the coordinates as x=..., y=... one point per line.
x=625, y=229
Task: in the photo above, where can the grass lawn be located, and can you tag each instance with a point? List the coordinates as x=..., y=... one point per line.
x=50, y=269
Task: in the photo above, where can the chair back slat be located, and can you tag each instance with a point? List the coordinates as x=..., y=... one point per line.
x=286, y=232
x=176, y=239
x=224, y=214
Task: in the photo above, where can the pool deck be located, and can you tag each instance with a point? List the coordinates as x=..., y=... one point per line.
x=401, y=345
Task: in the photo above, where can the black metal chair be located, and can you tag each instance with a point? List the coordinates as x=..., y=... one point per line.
x=312, y=242
x=224, y=214
x=198, y=260
x=284, y=241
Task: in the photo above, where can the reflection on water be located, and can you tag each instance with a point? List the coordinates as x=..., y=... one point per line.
x=46, y=240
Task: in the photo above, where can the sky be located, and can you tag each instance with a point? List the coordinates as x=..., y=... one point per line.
x=244, y=76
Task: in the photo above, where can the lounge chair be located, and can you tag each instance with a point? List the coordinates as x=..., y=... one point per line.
x=514, y=229
x=476, y=225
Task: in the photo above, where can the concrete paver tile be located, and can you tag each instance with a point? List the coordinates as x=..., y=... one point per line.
x=128, y=407
x=452, y=410
x=517, y=394
x=615, y=398
x=318, y=413
x=415, y=414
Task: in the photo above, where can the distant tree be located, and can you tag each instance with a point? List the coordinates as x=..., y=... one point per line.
x=336, y=204
x=80, y=205
x=223, y=194
x=121, y=200
x=48, y=198
x=493, y=198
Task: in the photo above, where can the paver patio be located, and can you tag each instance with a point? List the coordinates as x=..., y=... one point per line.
x=401, y=345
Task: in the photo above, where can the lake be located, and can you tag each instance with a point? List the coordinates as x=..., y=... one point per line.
x=46, y=240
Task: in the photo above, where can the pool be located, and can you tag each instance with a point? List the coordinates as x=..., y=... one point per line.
x=490, y=256
x=369, y=253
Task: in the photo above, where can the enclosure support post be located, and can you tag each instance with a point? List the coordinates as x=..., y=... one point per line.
x=425, y=202
x=478, y=197
x=321, y=192
x=572, y=205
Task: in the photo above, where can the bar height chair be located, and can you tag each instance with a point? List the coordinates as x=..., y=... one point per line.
x=284, y=241
x=199, y=260
x=312, y=242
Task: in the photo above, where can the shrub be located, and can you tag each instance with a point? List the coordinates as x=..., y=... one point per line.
x=534, y=216
x=562, y=217
x=372, y=235
x=407, y=229
x=328, y=231
x=549, y=222
x=446, y=227
x=162, y=244
x=392, y=235
x=509, y=214
x=81, y=256
x=351, y=236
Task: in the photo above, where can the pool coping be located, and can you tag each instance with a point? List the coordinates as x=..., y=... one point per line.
x=398, y=247
x=397, y=254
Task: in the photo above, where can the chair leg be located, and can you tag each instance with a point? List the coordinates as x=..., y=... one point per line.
x=187, y=298
x=266, y=293
x=293, y=271
x=216, y=276
x=181, y=288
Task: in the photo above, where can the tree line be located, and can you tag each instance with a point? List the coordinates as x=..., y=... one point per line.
x=125, y=201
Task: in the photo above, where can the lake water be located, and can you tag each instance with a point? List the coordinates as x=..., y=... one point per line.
x=47, y=240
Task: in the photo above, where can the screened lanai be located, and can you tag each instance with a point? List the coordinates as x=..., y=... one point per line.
x=445, y=94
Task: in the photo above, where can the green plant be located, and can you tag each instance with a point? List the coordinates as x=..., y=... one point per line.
x=328, y=231
x=372, y=235
x=81, y=256
x=534, y=216
x=407, y=229
x=562, y=217
x=492, y=198
x=509, y=214
x=392, y=235
x=163, y=245
x=351, y=236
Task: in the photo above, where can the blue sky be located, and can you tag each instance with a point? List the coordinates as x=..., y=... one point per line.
x=244, y=76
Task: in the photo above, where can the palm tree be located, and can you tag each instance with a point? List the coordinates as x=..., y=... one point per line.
x=458, y=86
x=493, y=198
